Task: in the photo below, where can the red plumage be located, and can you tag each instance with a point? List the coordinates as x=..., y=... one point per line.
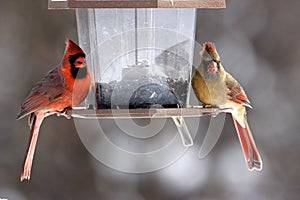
x=236, y=92
x=209, y=47
x=61, y=88
x=237, y=95
x=248, y=145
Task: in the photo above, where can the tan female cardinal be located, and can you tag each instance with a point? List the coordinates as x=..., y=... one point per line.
x=215, y=87
x=63, y=87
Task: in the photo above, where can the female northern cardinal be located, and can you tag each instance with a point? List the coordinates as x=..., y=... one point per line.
x=63, y=87
x=214, y=86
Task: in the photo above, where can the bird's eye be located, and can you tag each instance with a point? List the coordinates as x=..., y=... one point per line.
x=216, y=61
x=80, y=62
x=74, y=59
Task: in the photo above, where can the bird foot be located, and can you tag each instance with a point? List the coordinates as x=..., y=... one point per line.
x=209, y=106
x=65, y=113
x=216, y=109
x=204, y=106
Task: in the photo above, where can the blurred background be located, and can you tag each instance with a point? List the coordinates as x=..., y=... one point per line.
x=259, y=45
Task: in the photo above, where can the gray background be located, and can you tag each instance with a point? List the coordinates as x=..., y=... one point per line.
x=258, y=43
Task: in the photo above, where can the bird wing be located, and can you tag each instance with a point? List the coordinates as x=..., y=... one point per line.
x=236, y=92
x=43, y=93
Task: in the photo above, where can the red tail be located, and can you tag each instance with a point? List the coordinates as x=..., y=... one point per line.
x=251, y=153
x=35, y=123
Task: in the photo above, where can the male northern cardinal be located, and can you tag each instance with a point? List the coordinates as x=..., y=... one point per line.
x=63, y=87
x=215, y=87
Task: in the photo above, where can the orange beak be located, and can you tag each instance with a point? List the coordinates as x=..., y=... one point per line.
x=212, y=67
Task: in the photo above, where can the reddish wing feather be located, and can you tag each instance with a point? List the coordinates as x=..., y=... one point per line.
x=236, y=92
x=43, y=93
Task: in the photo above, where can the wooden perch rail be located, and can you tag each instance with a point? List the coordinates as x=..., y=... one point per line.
x=66, y=4
x=143, y=113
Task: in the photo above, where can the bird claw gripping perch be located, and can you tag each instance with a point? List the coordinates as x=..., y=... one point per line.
x=65, y=113
x=218, y=110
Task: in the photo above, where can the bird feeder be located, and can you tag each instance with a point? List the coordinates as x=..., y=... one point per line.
x=141, y=57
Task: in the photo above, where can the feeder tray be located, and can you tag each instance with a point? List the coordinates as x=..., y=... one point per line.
x=143, y=113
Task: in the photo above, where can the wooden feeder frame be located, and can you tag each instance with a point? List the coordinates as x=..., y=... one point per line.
x=64, y=4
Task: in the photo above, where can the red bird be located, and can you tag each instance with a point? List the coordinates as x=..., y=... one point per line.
x=214, y=86
x=63, y=87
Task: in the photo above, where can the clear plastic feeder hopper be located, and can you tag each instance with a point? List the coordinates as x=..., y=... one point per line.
x=140, y=58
